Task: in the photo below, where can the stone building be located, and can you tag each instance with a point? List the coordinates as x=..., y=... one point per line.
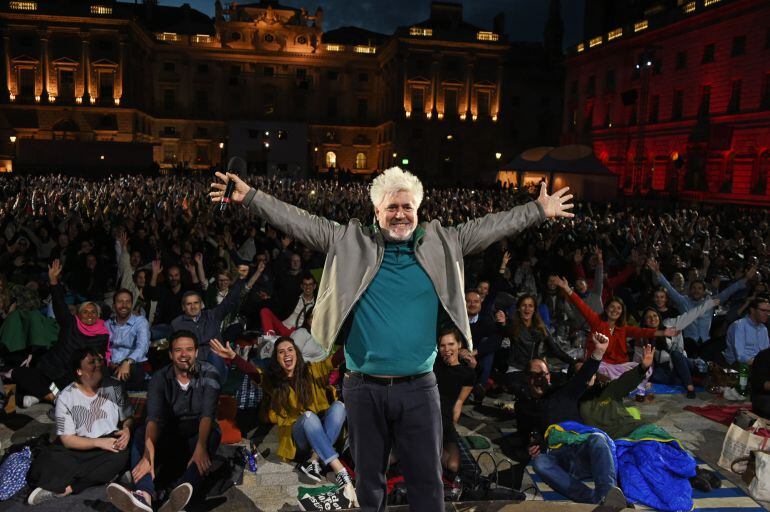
x=674, y=96
x=263, y=81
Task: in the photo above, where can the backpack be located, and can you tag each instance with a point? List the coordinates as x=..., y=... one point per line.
x=13, y=472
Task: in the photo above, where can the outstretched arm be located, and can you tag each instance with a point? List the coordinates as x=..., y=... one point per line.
x=315, y=232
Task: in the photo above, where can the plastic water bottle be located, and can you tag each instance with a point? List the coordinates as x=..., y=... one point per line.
x=457, y=489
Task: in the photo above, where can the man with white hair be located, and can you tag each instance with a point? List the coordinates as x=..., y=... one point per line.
x=382, y=289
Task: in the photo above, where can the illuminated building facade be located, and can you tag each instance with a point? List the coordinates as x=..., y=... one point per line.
x=429, y=97
x=674, y=97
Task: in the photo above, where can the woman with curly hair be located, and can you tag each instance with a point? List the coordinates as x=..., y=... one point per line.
x=302, y=404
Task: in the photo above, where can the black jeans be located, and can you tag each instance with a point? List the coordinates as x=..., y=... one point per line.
x=405, y=416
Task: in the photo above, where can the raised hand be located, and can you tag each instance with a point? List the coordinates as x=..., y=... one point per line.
x=198, y=258
x=218, y=189
x=649, y=354
x=601, y=342
x=506, y=259
x=223, y=351
x=54, y=271
x=557, y=204
x=157, y=268
x=563, y=284
x=123, y=239
x=653, y=265
x=578, y=257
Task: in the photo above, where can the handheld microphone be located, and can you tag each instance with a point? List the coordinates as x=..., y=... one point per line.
x=236, y=165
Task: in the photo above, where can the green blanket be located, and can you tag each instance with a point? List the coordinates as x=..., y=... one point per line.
x=27, y=329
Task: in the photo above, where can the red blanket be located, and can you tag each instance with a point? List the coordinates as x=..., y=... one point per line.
x=724, y=414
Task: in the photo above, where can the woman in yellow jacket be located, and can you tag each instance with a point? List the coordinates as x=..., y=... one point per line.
x=301, y=403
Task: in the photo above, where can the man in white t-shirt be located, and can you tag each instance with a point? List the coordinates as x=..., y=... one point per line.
x=93, y=421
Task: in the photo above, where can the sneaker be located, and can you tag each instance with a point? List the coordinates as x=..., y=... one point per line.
x=691, y=394
x=343, y=479
x=710, y=476
x=177, y=498
x=614, y=499
x=40, y=495
x=127, y=501
x=311, y=468
x=639, y=398
x=28, y=401
x=700, y=483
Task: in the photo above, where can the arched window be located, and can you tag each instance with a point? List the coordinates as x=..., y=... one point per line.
x=760, y=173
x=361, y=161
x=331, y=159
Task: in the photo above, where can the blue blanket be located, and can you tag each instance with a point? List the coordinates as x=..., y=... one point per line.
x=655, y=470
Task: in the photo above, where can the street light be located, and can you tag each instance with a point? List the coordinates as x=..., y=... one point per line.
x=12, y=139
x=221, y=145
x=498, y=155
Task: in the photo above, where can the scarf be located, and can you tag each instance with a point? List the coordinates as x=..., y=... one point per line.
x=95, y=330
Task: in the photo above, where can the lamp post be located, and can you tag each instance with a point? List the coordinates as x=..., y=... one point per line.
x=222, y=156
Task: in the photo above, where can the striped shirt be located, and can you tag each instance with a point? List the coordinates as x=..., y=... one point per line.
x=92, y=416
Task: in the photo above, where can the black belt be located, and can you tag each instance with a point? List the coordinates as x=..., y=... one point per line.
x=386, y=381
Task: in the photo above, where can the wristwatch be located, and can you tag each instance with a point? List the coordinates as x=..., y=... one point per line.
x=130, y=361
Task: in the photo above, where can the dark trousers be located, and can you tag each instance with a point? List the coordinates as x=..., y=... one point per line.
x=136, y=378
x=760, y=404
x=405, y=416
x=710, y=350
x=676, y=374
x=56, y=467
x=173, y=451
x=34, y=382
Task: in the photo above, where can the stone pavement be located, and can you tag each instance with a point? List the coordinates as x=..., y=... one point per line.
x=274, y=486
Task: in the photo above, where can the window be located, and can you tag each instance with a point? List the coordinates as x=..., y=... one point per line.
x=363, y=108
x=708, y=53
x=331, y=159
x=588, y=117
x=363, y=77
x=202, y=100
x=201, y=132
x=591, y=86
x=681, y=60
x=235, y=69
x=483, y=100
x=104, y=45
x=169, y=99
x=739, y=46
x=764, y=103
x=169, y=154
x=331, y=107
x=332, y=75
x=735, y=98
x=573, y=89
x=66, y=84
x=106, y=84
x=301, y=73
x=450, y=103
x=705, y=101
x=169, y=131
x=609, y=81
x=27, y=82
x=608, y=116
x=657, y=66
x=418, y=99
x=654, y=108
x=360, y=160
x=268, y=71
x=169, y=66
x=203, y=69
x=677, y=105
x=201, y=154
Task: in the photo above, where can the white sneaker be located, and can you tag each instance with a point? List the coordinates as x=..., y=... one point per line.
x=177, y=498
x=28, y=401
x=125, y=500
x=40, y=495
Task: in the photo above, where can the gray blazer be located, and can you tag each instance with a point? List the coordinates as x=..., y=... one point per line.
x=354, y=254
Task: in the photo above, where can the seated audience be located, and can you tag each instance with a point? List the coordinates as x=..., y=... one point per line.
x=672, y=367
x=84, y=330
x=129, y=342
x=564, y=467
x=748, y=336
x=299, y=403
x=93, y=425
x=180, y=435
x=455, y=378
x=270, y=321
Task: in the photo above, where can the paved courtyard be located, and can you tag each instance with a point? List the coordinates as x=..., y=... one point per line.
x=274, y=486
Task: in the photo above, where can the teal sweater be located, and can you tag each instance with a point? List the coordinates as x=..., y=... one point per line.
x=393, y=331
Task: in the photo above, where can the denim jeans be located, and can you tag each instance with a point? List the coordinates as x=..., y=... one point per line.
x=564, y=468
x=310, y=432
x=173, y=450
x=679, y=375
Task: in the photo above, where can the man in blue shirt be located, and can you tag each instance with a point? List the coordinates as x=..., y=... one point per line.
x=697, y=337
x=748, y=336
x=129, y=342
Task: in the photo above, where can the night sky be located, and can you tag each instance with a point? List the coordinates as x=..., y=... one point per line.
x=524, y=19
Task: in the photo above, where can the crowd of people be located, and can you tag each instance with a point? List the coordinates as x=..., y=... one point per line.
x=97, y=278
